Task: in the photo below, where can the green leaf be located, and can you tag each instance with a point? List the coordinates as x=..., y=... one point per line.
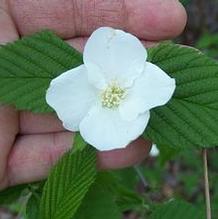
x=11, y=194
x=68, y=184
x=167, y=153
x=98, y=203
x=79, y=143
x=185, y=2
x=191, y=116
x=177, y=210
x=32, y=207
x=125, y=197
x=208, y=44
x=129, y=200
x=27, y=66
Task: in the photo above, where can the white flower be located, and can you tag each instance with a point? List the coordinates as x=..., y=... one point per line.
x=154, y=151
x=109, y=97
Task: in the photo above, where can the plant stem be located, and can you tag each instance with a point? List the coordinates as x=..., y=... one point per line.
x=141, y=176
x=206, y=185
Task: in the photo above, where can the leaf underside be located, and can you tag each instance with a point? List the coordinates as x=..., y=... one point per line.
x=68, y=184
x=191, y=116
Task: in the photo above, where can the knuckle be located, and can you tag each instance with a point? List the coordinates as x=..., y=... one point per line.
x=89, y=15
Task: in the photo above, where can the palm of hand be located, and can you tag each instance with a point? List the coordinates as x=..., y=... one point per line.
x=30, y=144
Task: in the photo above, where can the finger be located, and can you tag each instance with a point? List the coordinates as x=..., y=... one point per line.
x=121, y=158
x=148, y=19
x=31, y=123
x=33, y=156
x=8, y=131
x=8, y=31
x=8, y=116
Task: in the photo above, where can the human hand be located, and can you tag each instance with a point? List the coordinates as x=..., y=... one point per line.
x=30, y=144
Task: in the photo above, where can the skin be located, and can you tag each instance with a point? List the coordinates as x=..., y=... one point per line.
x=31, y=144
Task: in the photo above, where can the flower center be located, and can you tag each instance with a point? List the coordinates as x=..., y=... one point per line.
x=112, y=95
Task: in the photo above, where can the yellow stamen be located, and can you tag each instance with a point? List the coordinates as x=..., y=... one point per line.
x=112, y=96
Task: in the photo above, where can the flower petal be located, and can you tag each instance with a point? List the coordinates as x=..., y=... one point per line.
x=153, y=88
x=154, y=151
x=115, y=55
x=105, y=130
x=71, y=96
